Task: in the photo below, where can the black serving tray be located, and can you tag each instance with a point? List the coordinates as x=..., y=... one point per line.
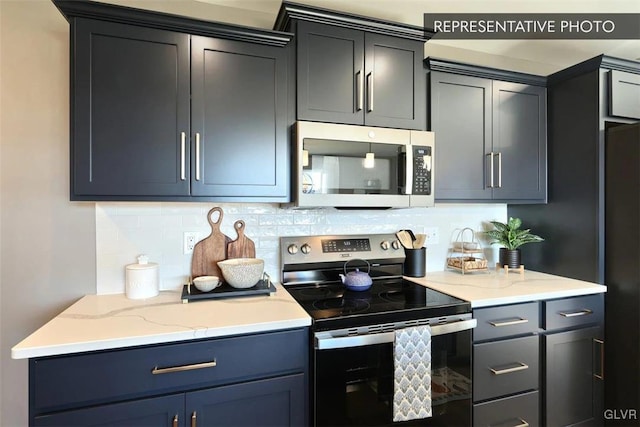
x=191, y=293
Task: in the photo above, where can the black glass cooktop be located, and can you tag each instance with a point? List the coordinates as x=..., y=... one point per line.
x=332, y=306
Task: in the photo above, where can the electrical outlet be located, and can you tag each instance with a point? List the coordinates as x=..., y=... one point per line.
x=189, y=241
x=433, y=235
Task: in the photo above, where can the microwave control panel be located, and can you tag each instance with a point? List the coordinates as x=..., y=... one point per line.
x=422, y=165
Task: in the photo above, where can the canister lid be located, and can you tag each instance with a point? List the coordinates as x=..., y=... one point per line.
x=143, y=264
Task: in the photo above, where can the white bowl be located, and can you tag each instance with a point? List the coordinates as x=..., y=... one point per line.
x=242, y=272
x=206, y=283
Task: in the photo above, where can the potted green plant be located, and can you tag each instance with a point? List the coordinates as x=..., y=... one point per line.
x=511, y=237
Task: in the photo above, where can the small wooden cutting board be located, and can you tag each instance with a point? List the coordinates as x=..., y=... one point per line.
x=210, y=250
x=242, y=247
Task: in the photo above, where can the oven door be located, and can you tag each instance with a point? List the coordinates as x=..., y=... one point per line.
x=354, y=378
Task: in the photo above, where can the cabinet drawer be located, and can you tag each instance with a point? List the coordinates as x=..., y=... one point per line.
x=91, y=378
x=571, y=312
x=505, y=367
x=520, y=410
x=505, y=321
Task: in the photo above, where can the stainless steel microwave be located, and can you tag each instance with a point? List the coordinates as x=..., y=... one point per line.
x=348, y=166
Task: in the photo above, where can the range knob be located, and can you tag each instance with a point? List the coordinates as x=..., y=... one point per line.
x=384, y=245
x=395, y=244
x=305, y=248
x=292, y=249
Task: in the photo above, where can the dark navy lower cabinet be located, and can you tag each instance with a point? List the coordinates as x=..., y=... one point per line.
x=573, y=349
x=247, y=380
x=506, y=365
x=540, y=363
x=154, y=412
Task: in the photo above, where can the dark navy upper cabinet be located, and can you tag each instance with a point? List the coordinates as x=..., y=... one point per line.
x=330, y=90
x=491, y=136
x=130, y=115
x=239, y=119
x=171, y=108
x=356, y=70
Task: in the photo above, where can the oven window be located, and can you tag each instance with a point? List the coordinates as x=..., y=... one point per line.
x=347, y=167
x=354, y=386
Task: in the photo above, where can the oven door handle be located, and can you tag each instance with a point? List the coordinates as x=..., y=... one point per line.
x=324, y=341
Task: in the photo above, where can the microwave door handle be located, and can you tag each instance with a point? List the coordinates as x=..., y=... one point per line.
x=408, y=184
x=328, y=342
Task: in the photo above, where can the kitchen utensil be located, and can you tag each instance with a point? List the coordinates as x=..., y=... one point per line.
x=356, y=280
x=206, y=283
x=242, y=247
x=419, y=242
x=405, y=239
x=242, y=273
x=141, y=279
x=210, y=250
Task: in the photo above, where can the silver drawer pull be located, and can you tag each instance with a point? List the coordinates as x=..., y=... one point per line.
x=521, y=367
x=516, y=321
x=156, y=370
x=520, y=423
x=583, y=312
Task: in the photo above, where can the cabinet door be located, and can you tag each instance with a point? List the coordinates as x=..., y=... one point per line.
x=330, y=74
x=461, y=120
x=239, y=120
x=156, y=412
x=519, y=141
x=272, y=402
x=395, y=83
x=130, y=111
x=573, y=365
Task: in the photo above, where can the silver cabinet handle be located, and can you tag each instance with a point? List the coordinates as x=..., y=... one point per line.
x=519, y=423
x=517, y=321
x=491, y=154
x=359, y=90
x=583, y=312
x=499, y=170
x=521, y=367
x=600, y=376
x=157, y=371
x=194, y=419
x=324, y=341
x=370, y=92
x=182, y=155
x=197, y=156
x=174, y=423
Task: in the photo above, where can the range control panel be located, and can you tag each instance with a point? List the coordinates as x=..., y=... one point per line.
x=311, y=249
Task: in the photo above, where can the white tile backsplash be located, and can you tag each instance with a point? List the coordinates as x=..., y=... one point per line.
x=126, y=230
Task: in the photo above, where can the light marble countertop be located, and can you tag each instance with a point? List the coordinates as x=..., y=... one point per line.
x=99, y=322
x=496, y=287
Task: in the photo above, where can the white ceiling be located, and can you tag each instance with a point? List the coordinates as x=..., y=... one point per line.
x=534, y=56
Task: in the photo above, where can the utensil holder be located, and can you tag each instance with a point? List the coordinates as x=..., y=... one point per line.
x=415, y=262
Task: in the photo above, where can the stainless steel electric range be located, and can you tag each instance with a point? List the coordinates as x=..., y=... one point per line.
x=353, y=331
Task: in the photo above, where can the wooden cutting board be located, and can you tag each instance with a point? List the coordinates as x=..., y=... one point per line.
x=210, y=250
x=242, y=247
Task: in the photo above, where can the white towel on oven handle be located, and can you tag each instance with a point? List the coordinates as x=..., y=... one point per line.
x=412, y=373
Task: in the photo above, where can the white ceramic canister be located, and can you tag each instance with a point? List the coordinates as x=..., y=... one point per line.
x=141, y=279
